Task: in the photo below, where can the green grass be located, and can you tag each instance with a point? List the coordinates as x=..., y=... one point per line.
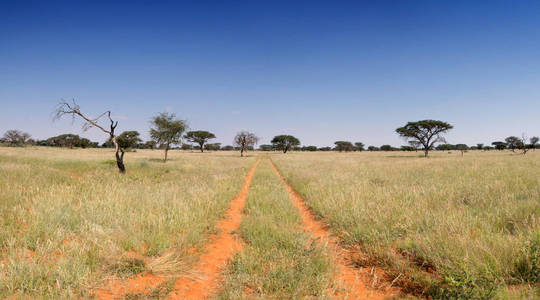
x=475, y=219
x=278, y=261
x=69, y=220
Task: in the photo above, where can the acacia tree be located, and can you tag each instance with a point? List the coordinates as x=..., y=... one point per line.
x=285, y=142
x=129, y=139
x=200, y=137
x=534, y=141
x=462, y=148
x=64, y=108
x=165, y=130
x=425, y=132
x=344, y=146
x=359, y=146
x=244, y=140
x=512, y=142
x=16, y=137
x=499, y=145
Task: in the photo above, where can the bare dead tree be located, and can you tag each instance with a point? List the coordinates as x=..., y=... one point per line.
x=523, y=144
x=65, y=108
x=244, y=140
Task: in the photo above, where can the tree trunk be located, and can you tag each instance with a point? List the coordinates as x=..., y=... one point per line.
x=426, y=152
x=242, y=152
x=166, y=151
x=285, y=150
x=202, y=148
x=119, y=157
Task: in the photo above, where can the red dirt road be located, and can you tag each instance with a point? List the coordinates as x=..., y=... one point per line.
x=216, y=254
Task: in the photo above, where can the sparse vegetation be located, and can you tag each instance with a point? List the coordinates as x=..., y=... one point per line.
x=454, y=226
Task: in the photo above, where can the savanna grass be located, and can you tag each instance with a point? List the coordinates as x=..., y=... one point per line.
x=279, y=261
x=70, y=220
x=475, y=219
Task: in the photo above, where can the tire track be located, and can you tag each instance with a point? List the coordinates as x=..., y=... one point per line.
x=217, y=253
x=206, y=271
x=353, y=279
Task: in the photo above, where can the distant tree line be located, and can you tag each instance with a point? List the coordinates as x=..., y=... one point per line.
x=167, y=133
x=131, y=140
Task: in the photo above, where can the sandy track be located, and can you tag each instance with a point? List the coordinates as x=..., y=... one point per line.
x=216, y=254
x=355, y=280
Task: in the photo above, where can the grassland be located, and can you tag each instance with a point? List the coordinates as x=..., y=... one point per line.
x=279, y=260
x=450, y=226
x=70, y=221
x=447, y=226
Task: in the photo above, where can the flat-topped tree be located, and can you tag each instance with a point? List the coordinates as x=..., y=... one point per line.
x=129, y=139
x=425, y=132
x=200, y=137
x=244, y=140
x=285, y=142
x=499, y=145
x=359, y=146
x=512, y=142
x=166, y=130
x=73, y=109
x=343, y=146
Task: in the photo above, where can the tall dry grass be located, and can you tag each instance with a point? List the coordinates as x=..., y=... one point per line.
x=474, y=219
x=69, y=219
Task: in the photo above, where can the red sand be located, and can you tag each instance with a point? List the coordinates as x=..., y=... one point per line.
x=216, y=255
x=354, y=279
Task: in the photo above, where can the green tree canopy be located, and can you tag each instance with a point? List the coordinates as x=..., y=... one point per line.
x=343, y=146
x=166, y=130
x=309, y=148
x=534, y=141
x=512, y=142
x=387, y=148
x=499, y=145
x=284, y=142
x=128, y=139
x=213, y=147
x=426, y=132
x=200, y=137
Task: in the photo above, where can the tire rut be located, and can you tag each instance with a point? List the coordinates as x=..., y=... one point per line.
x=204, y=275
x=354, y=280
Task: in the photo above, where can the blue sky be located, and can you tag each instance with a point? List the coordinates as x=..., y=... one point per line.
x=320, y=70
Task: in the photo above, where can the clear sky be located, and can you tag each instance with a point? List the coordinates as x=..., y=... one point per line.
x=320, y=70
